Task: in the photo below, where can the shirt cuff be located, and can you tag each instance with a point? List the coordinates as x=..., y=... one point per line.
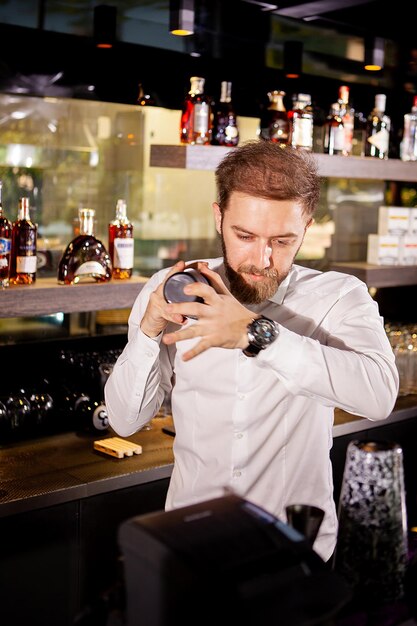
x=142, y=347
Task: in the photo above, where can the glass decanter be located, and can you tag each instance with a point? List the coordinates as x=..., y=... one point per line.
x=85, y=259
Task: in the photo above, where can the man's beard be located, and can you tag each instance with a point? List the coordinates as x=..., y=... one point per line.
x=247, y=292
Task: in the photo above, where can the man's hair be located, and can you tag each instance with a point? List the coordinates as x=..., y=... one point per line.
x=265, y=169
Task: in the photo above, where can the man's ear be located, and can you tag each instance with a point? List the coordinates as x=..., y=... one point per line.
x=217, y=217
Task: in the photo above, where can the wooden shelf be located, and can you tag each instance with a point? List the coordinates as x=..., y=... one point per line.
x=379, y=275
x=208, y=157
x=46, y=297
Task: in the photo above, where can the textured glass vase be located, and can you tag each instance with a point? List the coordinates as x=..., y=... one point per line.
x=371, y=550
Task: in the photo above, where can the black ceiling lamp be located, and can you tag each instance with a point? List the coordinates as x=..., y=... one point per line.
x=293, y=59
x=374, y=54
x=105, y=18
x=181, y=17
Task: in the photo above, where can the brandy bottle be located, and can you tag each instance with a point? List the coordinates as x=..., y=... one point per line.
x=24, y=235
x=274, y=125
x=121, y=243
x=378, y=128
x=195, y=125
x=5, y=245
x=225, y=130
x=85, y=258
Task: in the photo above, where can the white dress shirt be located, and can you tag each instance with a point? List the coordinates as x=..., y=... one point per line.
x=262, y=426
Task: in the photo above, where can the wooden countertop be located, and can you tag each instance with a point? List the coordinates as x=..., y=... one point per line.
x=61, y=468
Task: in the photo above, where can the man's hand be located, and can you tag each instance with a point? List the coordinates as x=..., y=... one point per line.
x=156, y=315
x=221, y=321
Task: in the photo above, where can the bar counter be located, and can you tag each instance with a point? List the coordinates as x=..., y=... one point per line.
x=62, y=468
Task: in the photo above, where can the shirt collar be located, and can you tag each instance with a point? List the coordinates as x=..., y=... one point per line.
x=279, y=295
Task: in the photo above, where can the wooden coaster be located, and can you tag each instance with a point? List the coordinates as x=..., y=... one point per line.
x=115, y=446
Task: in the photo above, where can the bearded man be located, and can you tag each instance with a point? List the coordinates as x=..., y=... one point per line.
x=262, y=355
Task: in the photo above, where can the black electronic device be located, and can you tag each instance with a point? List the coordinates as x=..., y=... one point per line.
x=224, y=561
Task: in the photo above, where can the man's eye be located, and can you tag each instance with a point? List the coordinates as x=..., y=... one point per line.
x=245, y=237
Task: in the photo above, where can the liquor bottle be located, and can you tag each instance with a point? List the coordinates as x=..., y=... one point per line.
x=79, y=410
x=319, y=120
x=225, y=130
x=408, y=145
x=347, y=114
x=195, y=126
x=334, y=131
x=91, y=416
x=274, y=123
x=85, y=258
x=121, y=243
x=378, y=127
x=301, y=122
x=23, y=258
x=5, y=245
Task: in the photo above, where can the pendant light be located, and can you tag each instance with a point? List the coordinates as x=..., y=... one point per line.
x=105, y=17
x=374, y=54
x=181, y=17
x=293, y=59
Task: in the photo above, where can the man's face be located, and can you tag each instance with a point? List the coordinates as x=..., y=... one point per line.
x=260, y=239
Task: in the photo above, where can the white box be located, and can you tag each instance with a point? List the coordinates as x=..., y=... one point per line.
x=393, y=220
x=413, y=221
x=408, y=250
x=383, y=249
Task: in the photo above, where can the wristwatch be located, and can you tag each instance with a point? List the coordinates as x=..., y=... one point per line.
x=261, y=333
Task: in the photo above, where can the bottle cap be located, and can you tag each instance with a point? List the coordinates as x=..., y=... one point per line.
x=344, y=93
x=380, y=101
x=84, y=212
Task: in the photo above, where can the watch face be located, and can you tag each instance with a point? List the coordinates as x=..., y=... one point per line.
x=262, y=332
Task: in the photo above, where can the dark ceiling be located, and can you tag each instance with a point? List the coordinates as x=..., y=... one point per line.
x=361, y=17
x=242, y=40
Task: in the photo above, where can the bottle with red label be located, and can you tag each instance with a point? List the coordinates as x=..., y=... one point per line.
x=195, y=126
x=347, y=113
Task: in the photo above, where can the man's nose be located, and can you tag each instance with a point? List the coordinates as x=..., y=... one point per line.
x=264, y=255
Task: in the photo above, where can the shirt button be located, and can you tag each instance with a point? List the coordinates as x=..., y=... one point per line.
x=241, y=396
x=238, y=435
x=237, y=474
x=148, y=353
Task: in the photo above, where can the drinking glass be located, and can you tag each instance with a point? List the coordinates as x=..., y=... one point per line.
x=305, y=518
x=403, y=339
